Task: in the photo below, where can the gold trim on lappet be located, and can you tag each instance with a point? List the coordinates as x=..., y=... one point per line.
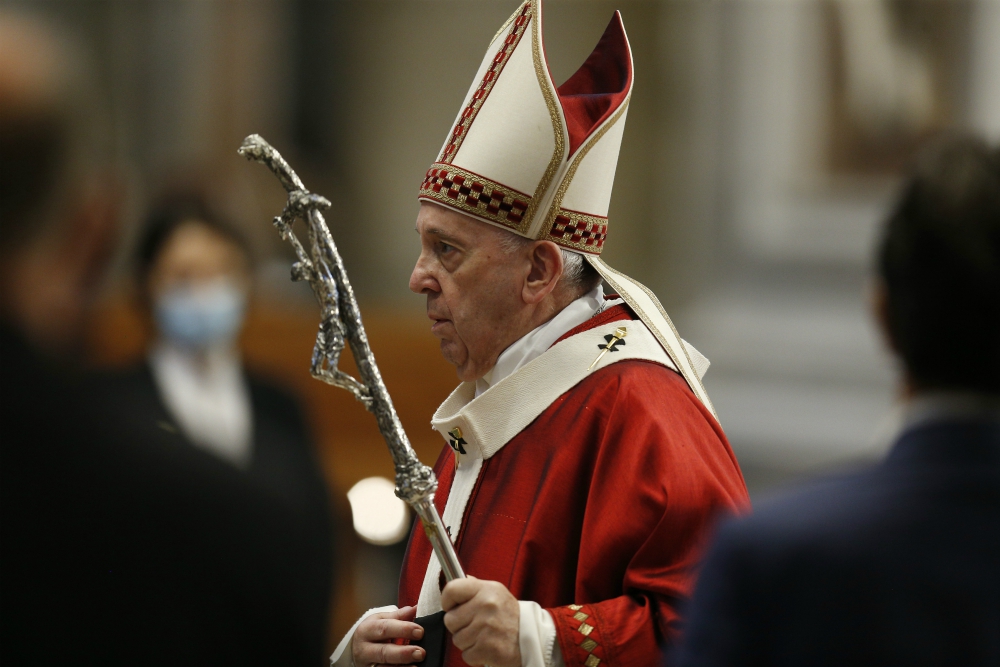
x=558, y=126
x=686, y=370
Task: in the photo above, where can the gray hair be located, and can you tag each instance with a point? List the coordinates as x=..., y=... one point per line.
x=578, y=275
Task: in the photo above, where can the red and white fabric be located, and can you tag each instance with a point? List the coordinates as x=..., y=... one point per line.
x=539, y=160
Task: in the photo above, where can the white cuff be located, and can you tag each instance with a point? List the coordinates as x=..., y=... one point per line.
x=343, y=656
x=537, y=637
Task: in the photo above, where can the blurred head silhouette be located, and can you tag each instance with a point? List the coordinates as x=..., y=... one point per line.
x=194, y=273
x=939, y=269
x=57, y=229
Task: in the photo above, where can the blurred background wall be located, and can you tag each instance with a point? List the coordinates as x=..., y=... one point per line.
x=764, y=143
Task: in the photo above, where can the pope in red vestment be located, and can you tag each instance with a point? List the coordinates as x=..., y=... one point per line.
x=585, y=464
x=597, y=510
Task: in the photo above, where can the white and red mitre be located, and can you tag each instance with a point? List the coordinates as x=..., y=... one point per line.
x=539, y=160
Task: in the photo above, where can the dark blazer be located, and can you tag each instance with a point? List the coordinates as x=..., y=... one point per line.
x=283, y=467
x=118, y=552
x=899, y=565
x=283, y=459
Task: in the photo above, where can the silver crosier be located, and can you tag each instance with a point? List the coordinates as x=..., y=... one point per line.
x=340, y=321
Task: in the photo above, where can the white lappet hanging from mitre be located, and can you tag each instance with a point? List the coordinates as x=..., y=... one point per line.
x=539, y=160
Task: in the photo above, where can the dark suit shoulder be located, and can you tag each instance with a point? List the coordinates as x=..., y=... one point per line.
x=894, y=565
x=945, y=474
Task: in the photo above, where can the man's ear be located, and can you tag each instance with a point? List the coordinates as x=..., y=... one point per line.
x=546, y=269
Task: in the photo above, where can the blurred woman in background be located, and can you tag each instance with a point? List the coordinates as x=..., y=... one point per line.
x=194, y=277
x=193, y=272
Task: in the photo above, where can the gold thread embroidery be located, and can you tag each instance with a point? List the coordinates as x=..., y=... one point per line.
x=581, y=153
x=510, y=20
x=566, y=223
x=463, y=187
x=558, y=132
x=686, y=371
x=588, y=644
x=469, y=113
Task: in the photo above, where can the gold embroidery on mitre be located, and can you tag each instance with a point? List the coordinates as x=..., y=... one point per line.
x=517, y=12
x=575, y=607
x=588, y=645
x=580, y=616
x=585, y=629
x=558, y=129
x=592, y=661
x=465, y=120
x=471, y=193
x=580, y=231
x=556, y=205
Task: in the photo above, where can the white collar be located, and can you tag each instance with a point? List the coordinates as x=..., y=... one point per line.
x=478, y=427
x=541, y=338
x=208, y=398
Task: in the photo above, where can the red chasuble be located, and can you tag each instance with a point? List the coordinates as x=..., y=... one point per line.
x=598, y=510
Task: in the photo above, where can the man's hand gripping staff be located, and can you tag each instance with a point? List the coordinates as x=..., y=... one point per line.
x=322, y=267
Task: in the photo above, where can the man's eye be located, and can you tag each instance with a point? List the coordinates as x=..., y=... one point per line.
x=445, y=248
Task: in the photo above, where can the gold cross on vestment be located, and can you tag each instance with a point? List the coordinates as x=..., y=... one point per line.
x=457, y=442
x=613, y=340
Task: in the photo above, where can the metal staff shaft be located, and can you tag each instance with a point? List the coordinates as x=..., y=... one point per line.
x=323, y=268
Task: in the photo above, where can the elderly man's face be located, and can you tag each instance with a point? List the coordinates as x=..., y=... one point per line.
x=473, y=288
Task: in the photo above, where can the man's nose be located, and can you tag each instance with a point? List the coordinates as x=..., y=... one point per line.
x=421, y=280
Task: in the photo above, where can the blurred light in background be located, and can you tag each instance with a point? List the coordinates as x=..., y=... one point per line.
x=380, y=517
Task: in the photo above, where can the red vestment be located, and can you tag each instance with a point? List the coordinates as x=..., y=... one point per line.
x=603, y=502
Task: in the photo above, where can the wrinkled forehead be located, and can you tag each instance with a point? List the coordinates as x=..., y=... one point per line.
x=438, y=221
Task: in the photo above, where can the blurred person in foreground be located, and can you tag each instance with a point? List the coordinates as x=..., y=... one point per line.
x=112, y=553
x=582, y=464
x=193, y=272
x=899, y=565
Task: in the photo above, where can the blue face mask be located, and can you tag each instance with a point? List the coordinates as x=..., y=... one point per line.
x=201, y=314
